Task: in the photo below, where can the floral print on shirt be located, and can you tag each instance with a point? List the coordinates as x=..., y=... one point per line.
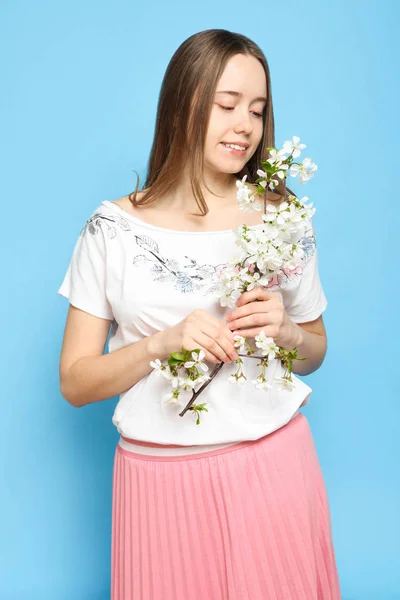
x=188, y=276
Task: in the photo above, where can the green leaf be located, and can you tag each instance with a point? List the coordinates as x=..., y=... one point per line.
x=197, y=407
x=177, y=356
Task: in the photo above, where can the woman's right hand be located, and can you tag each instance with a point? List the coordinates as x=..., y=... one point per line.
x=204, y=331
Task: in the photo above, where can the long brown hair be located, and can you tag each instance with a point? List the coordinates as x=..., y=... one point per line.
x=183, y=113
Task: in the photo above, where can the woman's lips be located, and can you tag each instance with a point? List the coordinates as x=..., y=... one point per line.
x=234, y=151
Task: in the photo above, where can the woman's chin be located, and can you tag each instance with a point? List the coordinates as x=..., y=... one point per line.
x=228, y=167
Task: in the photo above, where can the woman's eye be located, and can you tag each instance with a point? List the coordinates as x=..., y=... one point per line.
x=258, y=115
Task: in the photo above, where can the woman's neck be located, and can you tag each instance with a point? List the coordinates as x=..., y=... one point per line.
x=181, y=198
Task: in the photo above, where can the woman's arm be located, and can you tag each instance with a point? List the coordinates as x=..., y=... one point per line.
x=86, y=374
x=311, y=342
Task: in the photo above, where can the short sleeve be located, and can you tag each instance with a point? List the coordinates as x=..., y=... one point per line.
x=85, y=281
x=308, y=301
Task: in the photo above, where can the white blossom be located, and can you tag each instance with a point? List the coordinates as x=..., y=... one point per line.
x=200, y=380
x=261, y=383
x=157, y=366
x=229, y=288
x=305, y=170
x=247, y=200
x=273, y=183
x=284, y=383
x=237, y=378
x=266, y=344
x=187, y=384
x=293, y=147
x=307, y=211
x=172, y=399
x=197, y=361
x=276, y=157
x=173, y=379
x=239, y=343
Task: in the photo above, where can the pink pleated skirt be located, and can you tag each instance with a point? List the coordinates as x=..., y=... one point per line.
x=245, y=522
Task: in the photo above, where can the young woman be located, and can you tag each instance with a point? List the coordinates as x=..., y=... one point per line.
x=236, y=507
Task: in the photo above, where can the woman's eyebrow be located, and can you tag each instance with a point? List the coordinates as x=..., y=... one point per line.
x=232, y=93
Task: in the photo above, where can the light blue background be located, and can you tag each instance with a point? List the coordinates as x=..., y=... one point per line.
x=80, y=87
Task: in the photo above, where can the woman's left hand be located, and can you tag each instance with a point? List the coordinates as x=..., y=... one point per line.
x=268, y=314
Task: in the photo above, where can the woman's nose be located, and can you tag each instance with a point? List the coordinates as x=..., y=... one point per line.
x=244, y=124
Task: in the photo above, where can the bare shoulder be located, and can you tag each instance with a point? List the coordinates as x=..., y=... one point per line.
x=127, y=205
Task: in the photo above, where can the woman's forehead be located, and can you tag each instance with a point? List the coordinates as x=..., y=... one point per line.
x=244, y=75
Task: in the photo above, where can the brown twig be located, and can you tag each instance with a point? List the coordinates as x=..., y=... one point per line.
x=216, y=370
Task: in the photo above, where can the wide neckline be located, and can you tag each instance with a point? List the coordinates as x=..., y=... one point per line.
x=127, y=215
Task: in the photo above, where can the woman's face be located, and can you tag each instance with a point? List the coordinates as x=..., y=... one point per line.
x=236, y=115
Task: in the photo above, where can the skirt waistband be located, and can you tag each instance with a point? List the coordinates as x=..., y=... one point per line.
x=140, y=447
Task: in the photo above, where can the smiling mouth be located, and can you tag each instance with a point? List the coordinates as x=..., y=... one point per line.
x=237, y=147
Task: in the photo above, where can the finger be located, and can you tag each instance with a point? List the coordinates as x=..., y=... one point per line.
x=257, y=293
x=223, y=337
x=229, y=342
x=212, y=351
x=219, y=344
x=220, y=333
x=254, y=320
x=216, y=326
x=245, y=311
x=252, y=332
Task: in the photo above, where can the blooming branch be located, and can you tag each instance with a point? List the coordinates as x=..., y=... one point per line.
x=264, y=253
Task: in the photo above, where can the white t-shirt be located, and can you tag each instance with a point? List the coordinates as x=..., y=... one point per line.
x=145, y=278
